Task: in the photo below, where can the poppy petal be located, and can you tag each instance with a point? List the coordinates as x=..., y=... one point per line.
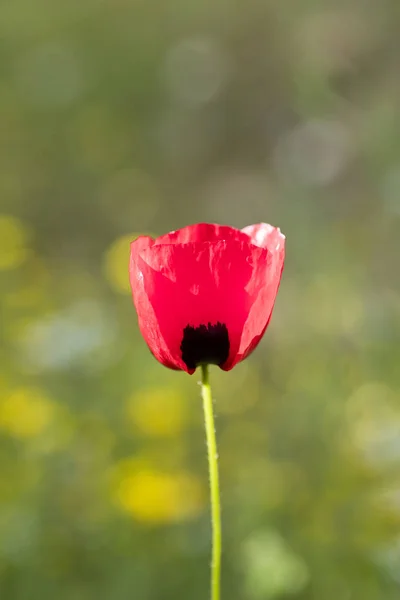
x=265, y=236
x=196, y=285
x=147, y=319
x=202, y=232
x=262, y=289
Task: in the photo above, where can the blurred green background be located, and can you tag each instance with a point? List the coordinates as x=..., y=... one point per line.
x=131, y=116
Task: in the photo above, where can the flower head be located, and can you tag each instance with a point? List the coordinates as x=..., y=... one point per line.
x=205, y=293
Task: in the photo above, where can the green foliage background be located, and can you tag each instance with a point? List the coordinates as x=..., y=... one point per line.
x=125, y=116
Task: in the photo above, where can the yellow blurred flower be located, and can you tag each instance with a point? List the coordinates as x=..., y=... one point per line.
x=26, y=413
x=158, y=412
x=13, y=242
x=152, y=496
x=116, y=263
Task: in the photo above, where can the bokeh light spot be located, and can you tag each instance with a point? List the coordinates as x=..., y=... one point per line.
x=196, y=70
x=50, y=76
x=314, y=153
x=272, y=568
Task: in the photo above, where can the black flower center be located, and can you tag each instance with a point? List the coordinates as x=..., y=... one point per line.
x=206, y=344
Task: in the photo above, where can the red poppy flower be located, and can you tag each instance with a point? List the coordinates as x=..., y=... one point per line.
x=205, y=293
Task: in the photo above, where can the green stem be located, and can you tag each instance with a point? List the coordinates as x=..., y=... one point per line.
x=214, y=484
